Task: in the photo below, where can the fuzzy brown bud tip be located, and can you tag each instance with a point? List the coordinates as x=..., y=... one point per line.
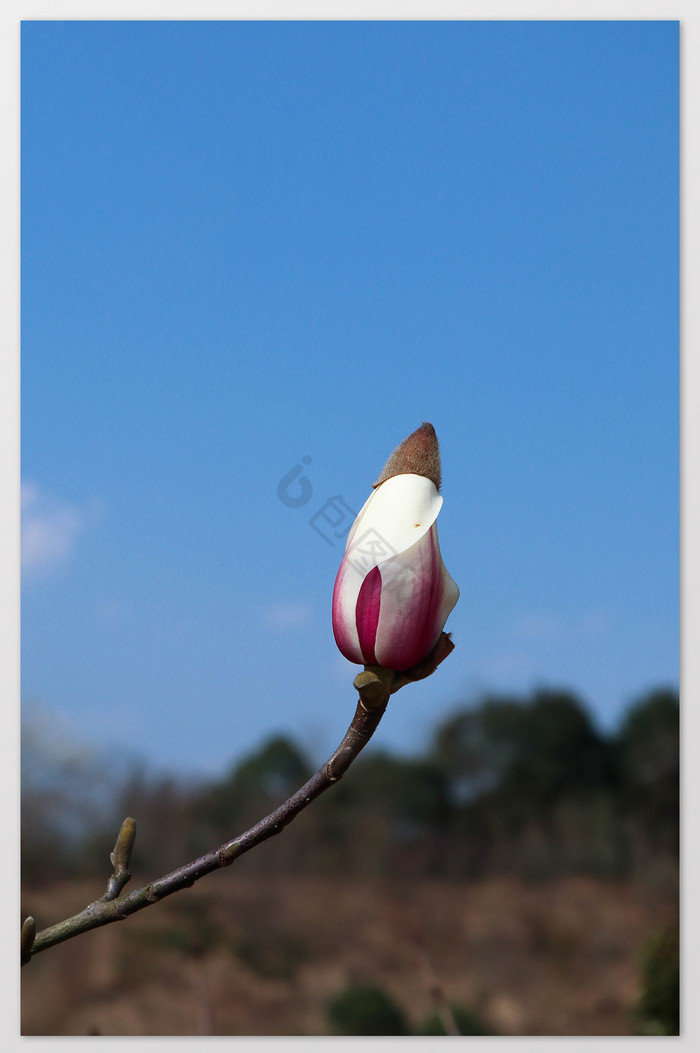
x=419, y=454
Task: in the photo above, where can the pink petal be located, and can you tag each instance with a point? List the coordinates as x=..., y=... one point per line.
x=344, y=602
x=393, y=615
x=417, y=596
x=367, y=614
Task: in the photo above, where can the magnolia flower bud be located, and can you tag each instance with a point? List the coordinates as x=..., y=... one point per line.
x=393, y=593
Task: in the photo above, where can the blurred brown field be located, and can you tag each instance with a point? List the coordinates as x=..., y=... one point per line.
x=263, y=955
x=520, y=877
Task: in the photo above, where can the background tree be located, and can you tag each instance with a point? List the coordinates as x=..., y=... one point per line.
x=648, y=762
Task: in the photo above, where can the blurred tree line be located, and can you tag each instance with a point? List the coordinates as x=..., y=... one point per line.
x=526, y=786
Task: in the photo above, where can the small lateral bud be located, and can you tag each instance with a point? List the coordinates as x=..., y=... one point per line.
x=125, y=842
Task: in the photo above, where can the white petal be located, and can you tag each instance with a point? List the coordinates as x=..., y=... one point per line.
x=396, y=515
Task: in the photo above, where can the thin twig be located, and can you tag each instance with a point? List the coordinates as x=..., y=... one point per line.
x=374, y=686
x=108, y=909
x=435, y=990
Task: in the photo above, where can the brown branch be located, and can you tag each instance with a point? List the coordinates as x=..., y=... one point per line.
x=374, y=685
x=115, y=907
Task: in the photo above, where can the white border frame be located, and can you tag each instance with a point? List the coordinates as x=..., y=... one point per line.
x=12, y=15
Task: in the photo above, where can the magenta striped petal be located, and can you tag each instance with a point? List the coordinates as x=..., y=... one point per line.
x=417, y=596
x=367, y=614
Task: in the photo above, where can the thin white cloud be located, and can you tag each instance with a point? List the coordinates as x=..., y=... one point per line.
x=540, y=628
x=535, y=626
x=506, y=665
x=287, y=615
x=49, y=739
x=50, y=530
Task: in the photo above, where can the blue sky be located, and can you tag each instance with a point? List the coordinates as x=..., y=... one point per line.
x=245, y=244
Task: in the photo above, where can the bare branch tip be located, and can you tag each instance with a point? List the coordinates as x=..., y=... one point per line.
x=120, y=858
x=27, y=938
